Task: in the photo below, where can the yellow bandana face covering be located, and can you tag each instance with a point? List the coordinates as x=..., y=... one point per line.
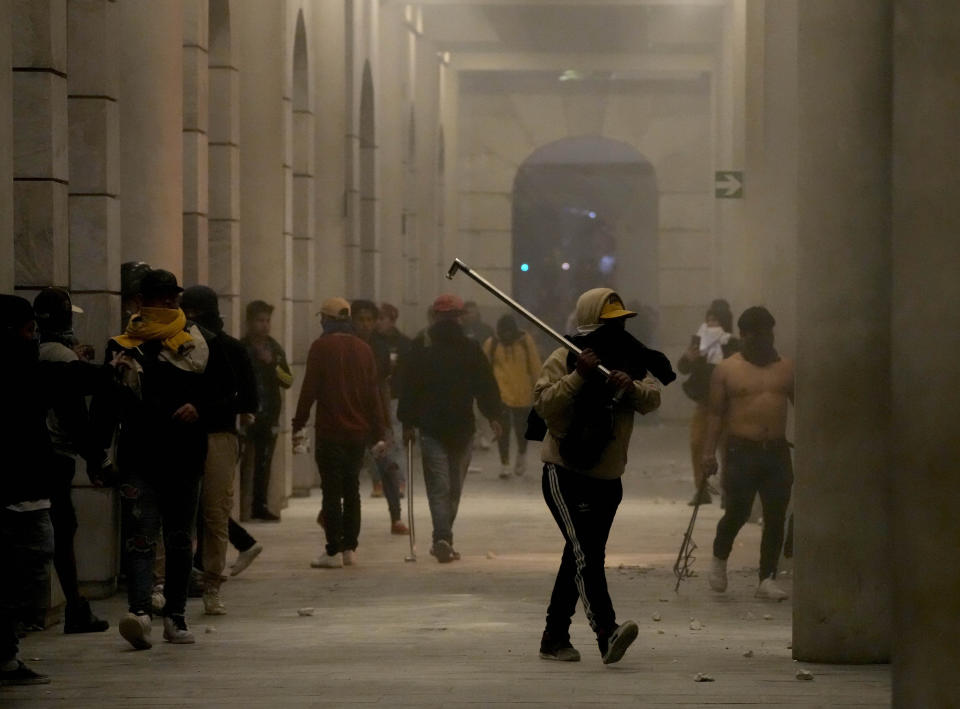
x=165, y=324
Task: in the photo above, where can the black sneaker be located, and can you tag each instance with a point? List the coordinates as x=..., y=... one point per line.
x=558, y=650
x=265, y=515
x=80, y=619
x=22, y=675
x=443, y=551
x=614, y=646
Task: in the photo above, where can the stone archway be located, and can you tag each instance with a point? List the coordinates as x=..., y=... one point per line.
x=585, y=215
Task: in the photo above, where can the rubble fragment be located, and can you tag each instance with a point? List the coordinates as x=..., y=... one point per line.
x=305, y=611
x=804, y=674
x=696, y=625
x=748, y=653
x=702, y=677
x=657, y=617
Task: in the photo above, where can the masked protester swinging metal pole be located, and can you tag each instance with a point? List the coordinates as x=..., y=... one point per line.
x=459, y=265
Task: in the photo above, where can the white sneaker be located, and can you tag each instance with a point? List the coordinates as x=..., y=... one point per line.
x=474, y=469
x=212, y=603
x=328, y=562
x=157, y=599
x=245, y=558
x=769, y=590
x=135, y=629
x=718, y=575
x=175, y=630
x=350, y=557
x=505, y=473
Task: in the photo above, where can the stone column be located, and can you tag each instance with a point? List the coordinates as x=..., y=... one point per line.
x=40, y=162
x=6, y=151
x=926, y=375
x=224, y=163
x=151, y=127
x=259, y=32
x=92, y=41
x=842, y=598
x=196, y=91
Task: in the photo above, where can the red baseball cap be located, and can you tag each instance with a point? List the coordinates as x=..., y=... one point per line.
x=447, y=303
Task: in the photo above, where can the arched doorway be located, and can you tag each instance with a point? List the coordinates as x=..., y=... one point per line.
x=585, y=215
x=368, y=286
x=301, y=266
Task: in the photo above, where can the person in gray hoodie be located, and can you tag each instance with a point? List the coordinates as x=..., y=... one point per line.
x=589, y=420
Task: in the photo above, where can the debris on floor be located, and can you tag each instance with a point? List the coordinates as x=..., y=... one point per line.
x=804, y=674
x=702, y=677
x=657, y=617
x=696, y=625
x=209, y=630
x=306, y=611
x=767, y=616
x=491, y=555
x=748, y=653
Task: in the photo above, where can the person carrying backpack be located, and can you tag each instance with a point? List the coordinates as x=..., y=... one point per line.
x=589, y=420
x=516, y=366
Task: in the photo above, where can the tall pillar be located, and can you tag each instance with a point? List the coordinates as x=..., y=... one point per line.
x=40, y=162
x=93, y=113
x=263, y=129
x=224, y=161
x=196, y=91
x=926, y=375
x=842, y=598
x=151, y=125
x=6, y=149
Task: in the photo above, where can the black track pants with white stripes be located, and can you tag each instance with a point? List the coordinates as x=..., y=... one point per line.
x=584, y=508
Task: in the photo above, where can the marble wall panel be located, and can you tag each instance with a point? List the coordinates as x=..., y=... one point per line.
x=222, y=126
x=92, y=48
x=94, y=243
x=685, y=249
x=687, y=286
x=40, y=233
x=94, y=146
x=195, y=89
x=224, y=181
x=40, y=125
x=40, y=34
x=196, y=172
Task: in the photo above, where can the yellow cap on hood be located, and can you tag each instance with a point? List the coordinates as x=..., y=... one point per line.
x=599, y=305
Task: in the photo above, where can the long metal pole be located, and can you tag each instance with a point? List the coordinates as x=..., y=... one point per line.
x=410, y=476
x=459, y=265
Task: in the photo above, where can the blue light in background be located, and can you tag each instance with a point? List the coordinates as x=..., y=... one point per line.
x=592, y=215
x=524, y=267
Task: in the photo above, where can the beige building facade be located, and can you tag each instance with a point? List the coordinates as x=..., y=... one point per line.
x=796, y=153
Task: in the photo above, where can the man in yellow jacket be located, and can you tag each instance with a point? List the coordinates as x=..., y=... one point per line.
x=516, y=366
x=589, y=421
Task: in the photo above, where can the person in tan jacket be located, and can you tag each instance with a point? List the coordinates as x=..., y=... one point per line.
x=516, y=366
x=589, y=420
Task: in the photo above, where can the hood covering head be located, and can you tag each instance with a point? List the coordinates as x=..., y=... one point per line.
x=597, y=306
x=616, y=348
x=204, y=307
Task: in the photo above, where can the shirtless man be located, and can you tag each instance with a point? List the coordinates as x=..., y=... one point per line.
x=748, y=397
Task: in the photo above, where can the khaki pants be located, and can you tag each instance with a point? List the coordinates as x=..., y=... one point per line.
x=216, y=502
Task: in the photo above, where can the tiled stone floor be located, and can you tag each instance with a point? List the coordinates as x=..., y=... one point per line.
x=423, y=635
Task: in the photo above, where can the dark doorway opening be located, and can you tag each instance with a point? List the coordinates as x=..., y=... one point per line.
x=584, y=216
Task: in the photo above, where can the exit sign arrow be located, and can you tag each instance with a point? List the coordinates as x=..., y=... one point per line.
x=728, y=184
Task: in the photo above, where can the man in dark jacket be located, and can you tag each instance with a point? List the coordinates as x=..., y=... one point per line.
x=234, y=382
x=26, y=483
x=442, y=375
x=73, y=439
x=273, y=374
x=168, y=401
x=342, y=379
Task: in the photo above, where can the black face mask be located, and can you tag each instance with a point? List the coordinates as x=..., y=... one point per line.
x=758, y=349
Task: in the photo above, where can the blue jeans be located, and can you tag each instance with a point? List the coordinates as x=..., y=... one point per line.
x=149, y=506
x=444, y=470
x=26, y=548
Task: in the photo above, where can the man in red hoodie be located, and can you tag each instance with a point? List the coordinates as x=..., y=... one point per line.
x=342, y=378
